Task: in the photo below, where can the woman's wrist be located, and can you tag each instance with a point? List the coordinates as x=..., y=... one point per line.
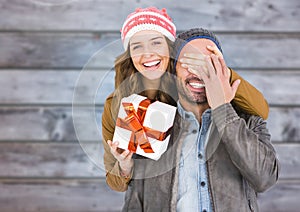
x=125, y=171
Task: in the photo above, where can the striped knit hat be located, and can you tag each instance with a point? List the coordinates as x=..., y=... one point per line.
x=149, y=18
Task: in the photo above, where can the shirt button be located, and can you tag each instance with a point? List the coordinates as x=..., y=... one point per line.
x=187, y=116
x=202, y=183
x=194, y=131
x=200, y=156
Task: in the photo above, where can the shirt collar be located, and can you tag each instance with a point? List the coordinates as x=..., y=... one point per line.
x=187, y=115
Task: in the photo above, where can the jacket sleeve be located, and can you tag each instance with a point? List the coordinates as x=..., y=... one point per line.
x=248, y=145
x=248, y=98
x=113, y=176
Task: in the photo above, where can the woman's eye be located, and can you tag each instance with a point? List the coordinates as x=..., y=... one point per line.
x=156, y=43
x=136, y=47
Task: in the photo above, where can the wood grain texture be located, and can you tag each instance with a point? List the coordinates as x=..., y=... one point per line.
x=46, y=43
x=83, y=195
x=51, y=160
x=55, y=86
x=76, y=50
x=289, y=159
x=56, y=124
x=70, y=160
x=58, y=195
x=67, y=50
x=106, y=15
x=48, y=124
x=281, y=197
x=93, y=86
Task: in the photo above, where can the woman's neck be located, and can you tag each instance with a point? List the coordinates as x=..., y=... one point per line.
x=151, y=87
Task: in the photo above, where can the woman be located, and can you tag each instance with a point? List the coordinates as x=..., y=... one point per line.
x=145, y=68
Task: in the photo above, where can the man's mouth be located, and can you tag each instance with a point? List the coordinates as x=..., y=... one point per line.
x=152, y=64
x=195, y=84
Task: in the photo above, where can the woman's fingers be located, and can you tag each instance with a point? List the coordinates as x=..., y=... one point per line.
x=125, y=154
x=217, y=65
x=192, y=61
x=114, y=149
x=119, y=155
x=225, y=69
x=210, y=67
x=198, y=56
x=113, y=145
x=215, y=50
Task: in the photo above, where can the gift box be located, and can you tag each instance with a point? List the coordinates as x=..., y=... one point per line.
x=143, y=126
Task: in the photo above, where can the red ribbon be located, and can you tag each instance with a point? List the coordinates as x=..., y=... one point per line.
x=134, y=122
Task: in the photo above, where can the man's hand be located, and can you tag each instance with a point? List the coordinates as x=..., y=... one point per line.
x=124, y=158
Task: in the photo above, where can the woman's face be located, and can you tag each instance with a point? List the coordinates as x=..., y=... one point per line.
x=150, y=53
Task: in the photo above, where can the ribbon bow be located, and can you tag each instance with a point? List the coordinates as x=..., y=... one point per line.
x=134, y=122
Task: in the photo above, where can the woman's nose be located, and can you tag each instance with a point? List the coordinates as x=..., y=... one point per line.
x=148, y=51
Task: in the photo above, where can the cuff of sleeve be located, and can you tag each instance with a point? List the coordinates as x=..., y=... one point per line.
x=223, y=115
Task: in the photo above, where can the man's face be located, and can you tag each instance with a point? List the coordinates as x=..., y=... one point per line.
x=190, y=87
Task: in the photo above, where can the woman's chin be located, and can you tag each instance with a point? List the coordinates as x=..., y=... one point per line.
x=152, y=75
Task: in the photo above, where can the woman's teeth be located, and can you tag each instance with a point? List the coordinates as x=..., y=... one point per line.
x=197, y=85
x=153, y=63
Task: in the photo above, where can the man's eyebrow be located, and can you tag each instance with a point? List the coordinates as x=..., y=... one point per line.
x=155, y=38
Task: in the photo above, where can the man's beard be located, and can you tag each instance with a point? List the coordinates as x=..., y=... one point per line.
x=192, y=97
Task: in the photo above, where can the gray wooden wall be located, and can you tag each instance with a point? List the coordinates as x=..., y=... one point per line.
x=44, y=45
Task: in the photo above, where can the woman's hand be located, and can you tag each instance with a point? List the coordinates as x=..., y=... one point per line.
x=216, y=80
x=215, y=74
x=123, y=156
x=216, y=51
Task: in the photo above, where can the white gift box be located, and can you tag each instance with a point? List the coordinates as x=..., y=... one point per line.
x=159, y=116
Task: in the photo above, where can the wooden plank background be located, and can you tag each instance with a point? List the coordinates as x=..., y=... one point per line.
x=50, y=48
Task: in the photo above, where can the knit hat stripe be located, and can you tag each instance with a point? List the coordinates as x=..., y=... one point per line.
x=148, y=13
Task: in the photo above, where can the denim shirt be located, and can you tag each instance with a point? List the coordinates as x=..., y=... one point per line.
x=193, y=192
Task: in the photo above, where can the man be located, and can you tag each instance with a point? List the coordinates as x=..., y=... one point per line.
x=244, y=162
x=218, y=157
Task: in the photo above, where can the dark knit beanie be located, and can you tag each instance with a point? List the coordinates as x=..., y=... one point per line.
x=192, y=34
